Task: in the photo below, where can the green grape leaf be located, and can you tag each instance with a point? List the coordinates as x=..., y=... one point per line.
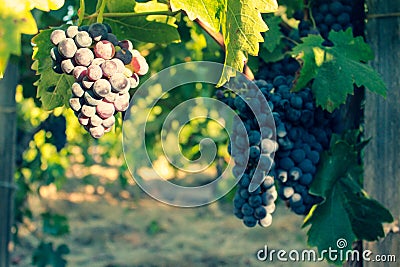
x=155, y=6
x=159, y=29
x=242, y=25
x=347, y=211
x=116, y=6
x=55, y=224
x=273, y=36
x=47, y=5
x=311, y=55
x=53, y=89
x=208, y=11
x=336, y=69
x=45, y=255
x=15, y=19
x=329, y=223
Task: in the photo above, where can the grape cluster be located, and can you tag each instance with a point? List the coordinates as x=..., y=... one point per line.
x=252, y=151
x=329, y=15
x=104, y=69
x=303, y=132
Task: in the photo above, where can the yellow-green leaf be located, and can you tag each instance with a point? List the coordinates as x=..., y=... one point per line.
x=242, y=25
x=16, y=19
x=208, y=11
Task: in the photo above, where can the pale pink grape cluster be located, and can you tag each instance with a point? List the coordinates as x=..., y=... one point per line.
x=104, y=69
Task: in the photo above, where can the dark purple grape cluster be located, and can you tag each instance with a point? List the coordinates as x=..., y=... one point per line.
x=104, y=69
x=252, y=151
x=336, y=15
x=303, y=132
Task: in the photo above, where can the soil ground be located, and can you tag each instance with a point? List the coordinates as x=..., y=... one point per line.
x=115, y=227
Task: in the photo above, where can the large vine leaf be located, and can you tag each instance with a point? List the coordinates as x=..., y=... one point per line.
x=336, y=69
x=16, y=19
x=149, y=29
x=208, y=11
x=52, y=88
x=242, y=25
x=347, y=212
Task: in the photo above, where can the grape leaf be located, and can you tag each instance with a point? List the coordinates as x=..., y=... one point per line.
x=47, y=5
x=208, y=11
x=52, y=89
x=148, y=29
x=242, y=25
x=336, y=69
x=155, y=6
x=329, y=223
x=273, y=36
x=16, y=19
x=347, y=211
x=120, y=5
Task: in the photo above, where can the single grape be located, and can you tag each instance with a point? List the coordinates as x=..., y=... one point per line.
x=77, y=89
x=72, y=31
x=260, y=213
x=67, y=66
x=88, y=111
x=112, y=38
x=79, y=72
x=83, y=120
x=84, y=57
x=126, y=44
x=124, y=55
x=87, y=83
x=119, y=82
x=134, y=80
x=109, y=122
x=96, y=132
x=94, y=72
x=267, y=221
x=102, y=87
x=75, y=104
x=83, y=39
x=306, y=179
x=57, y=36
x=67, y=48
x=105, y=109
x=120, y=65
x=96, y=120
x=249, y=221
x=121, y=103
x=139, y=64
x=109, y=68
x=98, y=31
x=104, y=49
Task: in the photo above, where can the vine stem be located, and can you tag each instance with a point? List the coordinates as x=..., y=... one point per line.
x=101, y=11
x=131, y=14
x=81, y=12
x=219, y=39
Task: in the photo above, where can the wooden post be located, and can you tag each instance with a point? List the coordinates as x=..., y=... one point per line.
x=8, y=128
x=382, y=120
